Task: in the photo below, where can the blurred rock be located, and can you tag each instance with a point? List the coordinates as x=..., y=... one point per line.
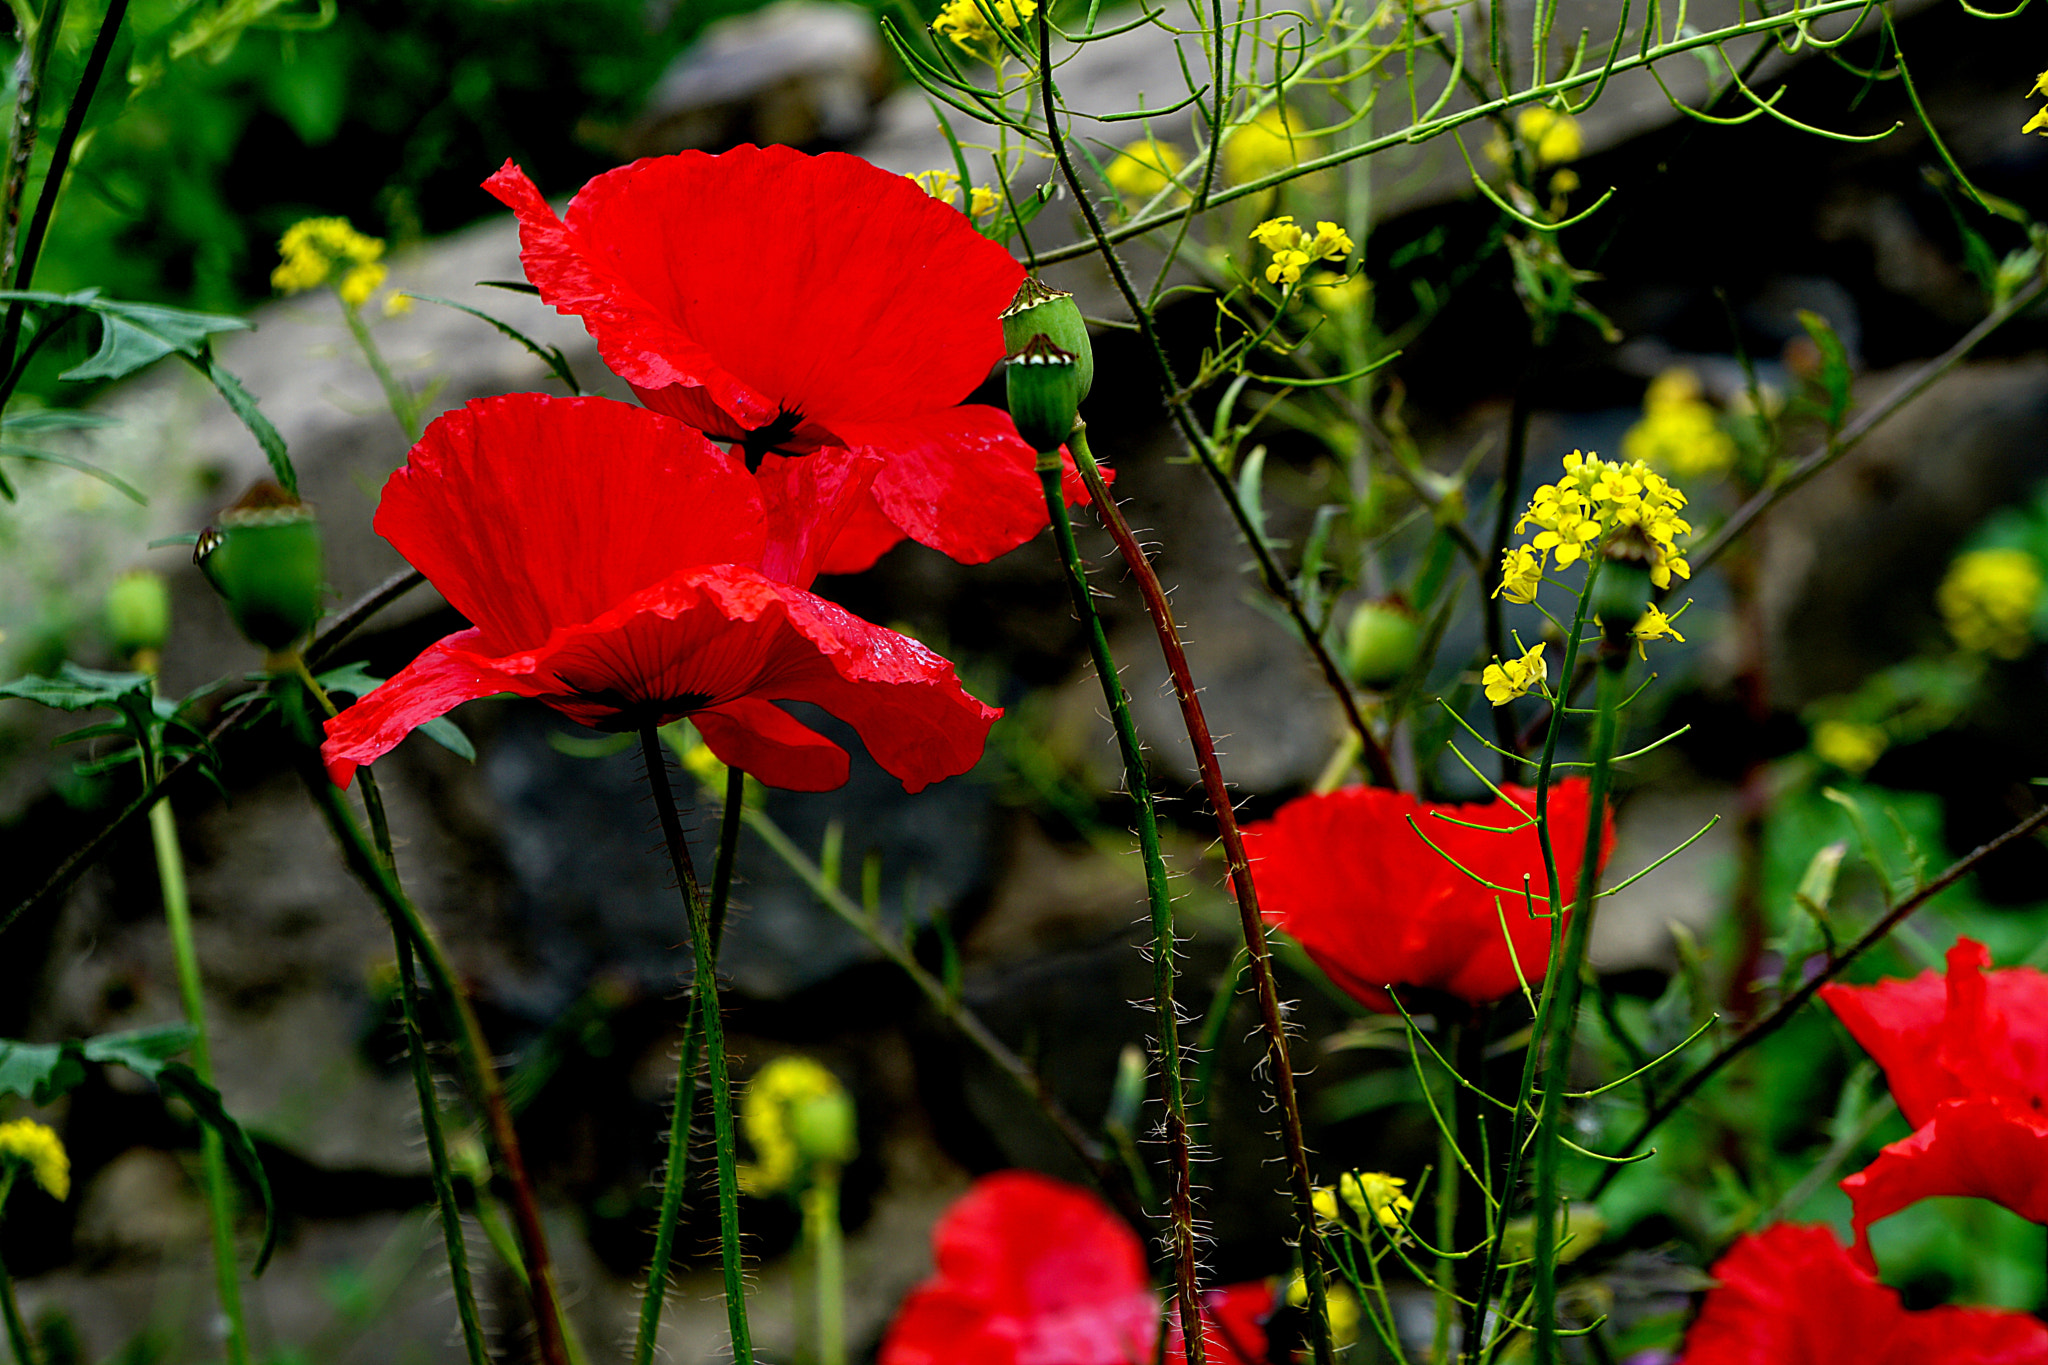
x=801, y=72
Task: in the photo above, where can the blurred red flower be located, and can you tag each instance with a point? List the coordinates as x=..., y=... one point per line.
x=1032, y=1271
x=782, y=302
x=1966, y=1056
x=1355, y=884
x=619, y=567
x=1791, y=1295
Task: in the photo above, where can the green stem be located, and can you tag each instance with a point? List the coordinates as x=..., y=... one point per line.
x=705, y=977
x=655, y=1295
x=1250, y=922
x=17, y=1330
x=471, y=1047
x=1556, y=1042
x=828, y=1247
x=1158, y=892
x=170, y=864
x=405, y=407
x=437, y=1152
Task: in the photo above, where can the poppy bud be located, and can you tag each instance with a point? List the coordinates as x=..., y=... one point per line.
x=1041, y=310
x=1045, y=393
x=1624, y=587
x=1381, y=642
x=824, y=1128
x=138, y=613
x=263, y=557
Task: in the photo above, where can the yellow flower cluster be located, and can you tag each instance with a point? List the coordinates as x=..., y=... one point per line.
x=1552, y=138
x=1515, y=678
x=1596, y=496
x=1143, y=168
x=2039, y=122
x=1847, y=745
x=795, y=1114
x=965, y=23
x=1680, y=430
x=26, y=1143
x=1294, y=249
x=1988, y=600
x=1368, y=1194
x=319, y=251
x=1266, y=144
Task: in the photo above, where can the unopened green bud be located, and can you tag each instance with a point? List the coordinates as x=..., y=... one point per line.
x=1381, y=642
x=1041, y=310
x=824, y=1129
x=138, y=613
x=263, y=557
x=1045, y=393
x=1624, y=587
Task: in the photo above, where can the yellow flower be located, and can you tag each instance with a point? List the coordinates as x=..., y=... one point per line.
x=1553, y=137
x=943, y=186
x=317, y=251
x=1654, y=625
x=1987, y=601
x=1593, y=498
x=1377, y=1194
x=1848, y=745
x=1143, y=168
x=1515, y=678
x=1265, y=145
x=397, y=304
x=26, y=1143
x=2037, y=124
x=983, y=202
x=1294, y=250
x=964, y=22
x=795, y=1115
x=1564, y=182
x=1343, y=1305
x=1680, y=430
x=1521, y=571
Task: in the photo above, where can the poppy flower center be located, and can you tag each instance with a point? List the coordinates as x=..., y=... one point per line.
x=634, y=712
x=765, y=440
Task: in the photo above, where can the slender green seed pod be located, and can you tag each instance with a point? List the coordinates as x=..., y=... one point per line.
x=1045, y=393
x=138, y=613
x=1041, y=310
x=1381, y=642
x=264, y=558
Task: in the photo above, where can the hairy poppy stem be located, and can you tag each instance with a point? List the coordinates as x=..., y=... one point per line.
x=1164, y=943
x=1254, y=926
x=705, y=987
x=471, y=1046
x=681, y=1115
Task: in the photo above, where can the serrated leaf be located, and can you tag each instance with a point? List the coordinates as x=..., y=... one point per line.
x=551, y=356
x=140, y=1049
x=243, y=405
x=133, y=335
x=181, y=1080
x=78, y=689
x=39, y=1072
x=55, y=419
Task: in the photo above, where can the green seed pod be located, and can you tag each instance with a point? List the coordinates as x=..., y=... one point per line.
x=1624, y=589
x=263, y=557
x=138, y=613
x=824, y=1128
x=1041, y=310
x=1045, y=393
x=1381, y=642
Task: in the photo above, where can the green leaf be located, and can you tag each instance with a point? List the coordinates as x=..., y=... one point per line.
x=1249, y=480
x=176, y=1078
x=551, y=356
x=133, y=335
x=449, y=736
x=243, y=405
x=79, y=689
x=1834, y=366
x=39, y=1072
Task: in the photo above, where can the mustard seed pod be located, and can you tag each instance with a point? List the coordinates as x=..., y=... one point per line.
x=263, y=557
x=1045, y=393
x=1381, y=642
x=1041, y=310
x=138, y=613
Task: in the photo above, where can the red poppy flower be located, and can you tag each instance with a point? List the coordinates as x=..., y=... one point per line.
x=785, y=302
x=1966, y=1056
x=1032, y=1271
x=1790, y=1295
x=619, y=567
x=1353, y=881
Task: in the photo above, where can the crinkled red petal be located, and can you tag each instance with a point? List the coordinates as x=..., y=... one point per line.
x=773, y=280
x=1994, y=1149
x=1349, y=875
x=705, y=638
x=1791, y=1295
x=447, y=673
x=530, y=512
x=761, y=738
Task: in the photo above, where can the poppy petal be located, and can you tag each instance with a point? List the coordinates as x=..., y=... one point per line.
x=1987, y=1148
x=502, y=503
x=809, y=503
x=446, y=674
x=761, y=738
